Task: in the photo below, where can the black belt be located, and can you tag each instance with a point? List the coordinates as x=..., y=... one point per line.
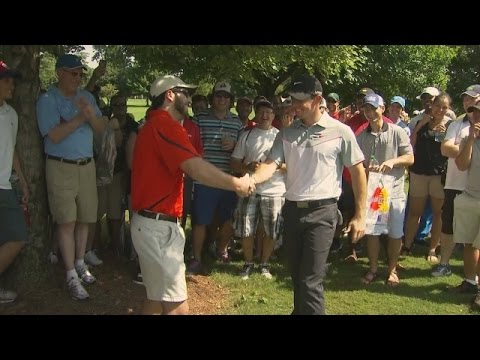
x=83, y=161
x=312, y=204
x=158, y=216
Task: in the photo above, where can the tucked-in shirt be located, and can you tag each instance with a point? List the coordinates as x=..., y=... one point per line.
x=315, y=157
x=54, y=108
x=161, y=147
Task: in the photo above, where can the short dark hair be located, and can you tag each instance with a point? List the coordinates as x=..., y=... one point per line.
x=157, y=101
x=197, y=98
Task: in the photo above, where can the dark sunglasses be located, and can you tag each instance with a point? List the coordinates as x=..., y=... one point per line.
x=181, y=91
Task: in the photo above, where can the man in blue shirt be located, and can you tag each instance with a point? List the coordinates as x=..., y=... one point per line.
x=67, y=117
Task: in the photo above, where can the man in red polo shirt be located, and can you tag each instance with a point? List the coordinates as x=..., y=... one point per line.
x=163, y=153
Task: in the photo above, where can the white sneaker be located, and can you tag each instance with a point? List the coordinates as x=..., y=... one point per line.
x=265, y=272
x=85, y=275
x=52, y=258
x=91, y=258
x=77, y=290
x=7, y=296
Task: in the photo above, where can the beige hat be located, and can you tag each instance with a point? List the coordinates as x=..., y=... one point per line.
x=167, y=82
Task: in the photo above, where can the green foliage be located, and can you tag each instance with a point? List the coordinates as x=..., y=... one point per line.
x=252, y=69
x=47, y=70
x=464, y=71
x=398, y=70
x=266, y=69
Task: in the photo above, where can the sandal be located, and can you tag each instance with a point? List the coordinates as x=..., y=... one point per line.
x=392, y=279
x=369, y=277
x=432, y=257
x=400, y=267
x=351, y=259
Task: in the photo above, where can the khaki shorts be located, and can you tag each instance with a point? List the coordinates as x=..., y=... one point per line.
x=159, y=245
x=110, y=197
x=466, y=220
x=424, y=185
x=72, y=191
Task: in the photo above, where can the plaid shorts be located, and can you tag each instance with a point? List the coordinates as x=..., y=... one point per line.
x=248, y=213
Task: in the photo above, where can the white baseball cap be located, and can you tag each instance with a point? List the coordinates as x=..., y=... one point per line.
x=430, y=90
x=167, y=82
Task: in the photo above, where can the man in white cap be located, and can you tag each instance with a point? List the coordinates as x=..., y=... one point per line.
x=162, y=154
x=219, y=130
x=467, y=205
x=455, y=182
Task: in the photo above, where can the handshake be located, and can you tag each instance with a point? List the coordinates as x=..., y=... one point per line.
x=246, y=185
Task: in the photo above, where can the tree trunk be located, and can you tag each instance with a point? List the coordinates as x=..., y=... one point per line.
x=30, y=268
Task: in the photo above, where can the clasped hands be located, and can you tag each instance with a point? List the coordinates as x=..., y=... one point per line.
x=248, y=184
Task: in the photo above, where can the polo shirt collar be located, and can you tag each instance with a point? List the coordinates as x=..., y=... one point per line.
x=383, y=129
x=323, y=122
x=59, y=93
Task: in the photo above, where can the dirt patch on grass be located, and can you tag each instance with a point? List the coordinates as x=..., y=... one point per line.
x=114, y=293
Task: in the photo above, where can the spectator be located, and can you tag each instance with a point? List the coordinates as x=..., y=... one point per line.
x=13, y=227
x=66, y=117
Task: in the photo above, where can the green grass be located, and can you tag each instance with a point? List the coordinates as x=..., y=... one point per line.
x=137, y=107
x=418, y=292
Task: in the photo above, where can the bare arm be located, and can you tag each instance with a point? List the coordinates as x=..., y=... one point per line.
x=359, y=185
x=238, y=166
x=463, y=159
x=23, y=182
x=413, y=137
x=96, y=122
x=265, y=171
x=96, y=75
x=450, y=149
x=401, y=161
x=210, y=175
x=62, y=130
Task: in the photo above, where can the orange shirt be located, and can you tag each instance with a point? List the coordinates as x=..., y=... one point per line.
x=157, y=180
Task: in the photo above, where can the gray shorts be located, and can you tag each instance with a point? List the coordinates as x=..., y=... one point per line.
x=13, y=226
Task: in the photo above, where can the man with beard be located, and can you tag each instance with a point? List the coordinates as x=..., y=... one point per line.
x=162, y=154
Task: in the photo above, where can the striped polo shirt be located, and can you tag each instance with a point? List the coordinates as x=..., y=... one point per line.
x=212, y=130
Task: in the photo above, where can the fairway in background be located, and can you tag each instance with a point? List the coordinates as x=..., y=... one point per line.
x=137, y=107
